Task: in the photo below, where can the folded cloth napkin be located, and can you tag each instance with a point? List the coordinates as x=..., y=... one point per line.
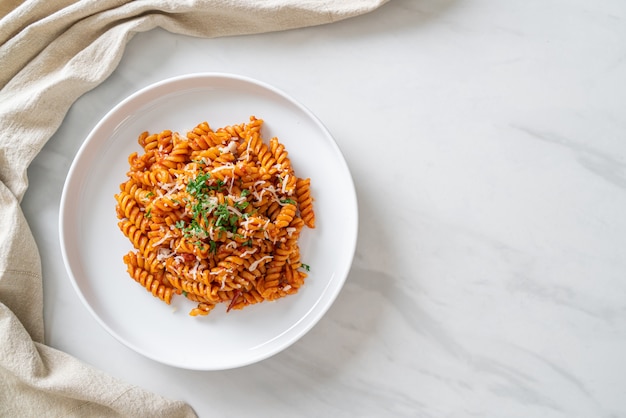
x=51, y=53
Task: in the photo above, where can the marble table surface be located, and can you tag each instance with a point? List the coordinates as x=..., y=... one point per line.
x=487, y=143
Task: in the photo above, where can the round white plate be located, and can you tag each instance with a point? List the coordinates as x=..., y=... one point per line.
x=93, y=246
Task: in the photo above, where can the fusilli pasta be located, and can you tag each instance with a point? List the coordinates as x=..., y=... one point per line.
x=214, y=215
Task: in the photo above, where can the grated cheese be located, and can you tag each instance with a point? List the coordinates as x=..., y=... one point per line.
x=231, y=147
x=234, y=211
x=194, y=270
x=284, y=189
x=163, y=253
x=227, y=166
x=248, y=252
x=162, y=240
x=255, y=264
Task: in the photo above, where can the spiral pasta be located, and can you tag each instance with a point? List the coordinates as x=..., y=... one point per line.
x=214, y=215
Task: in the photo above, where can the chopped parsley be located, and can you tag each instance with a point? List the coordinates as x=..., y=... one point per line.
x=206, y=213
x=241, y=205
x=199, y=185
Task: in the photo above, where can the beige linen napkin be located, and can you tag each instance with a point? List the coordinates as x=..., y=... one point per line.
x=51, y=52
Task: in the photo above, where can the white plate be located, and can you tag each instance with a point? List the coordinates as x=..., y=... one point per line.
x=93, y=246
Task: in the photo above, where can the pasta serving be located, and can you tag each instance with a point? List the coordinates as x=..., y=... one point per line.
x=215, y=215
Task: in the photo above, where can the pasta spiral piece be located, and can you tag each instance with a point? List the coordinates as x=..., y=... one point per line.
x=305, y=201
x=148, y=280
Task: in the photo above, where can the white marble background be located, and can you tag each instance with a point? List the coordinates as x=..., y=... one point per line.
x=487, y=140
